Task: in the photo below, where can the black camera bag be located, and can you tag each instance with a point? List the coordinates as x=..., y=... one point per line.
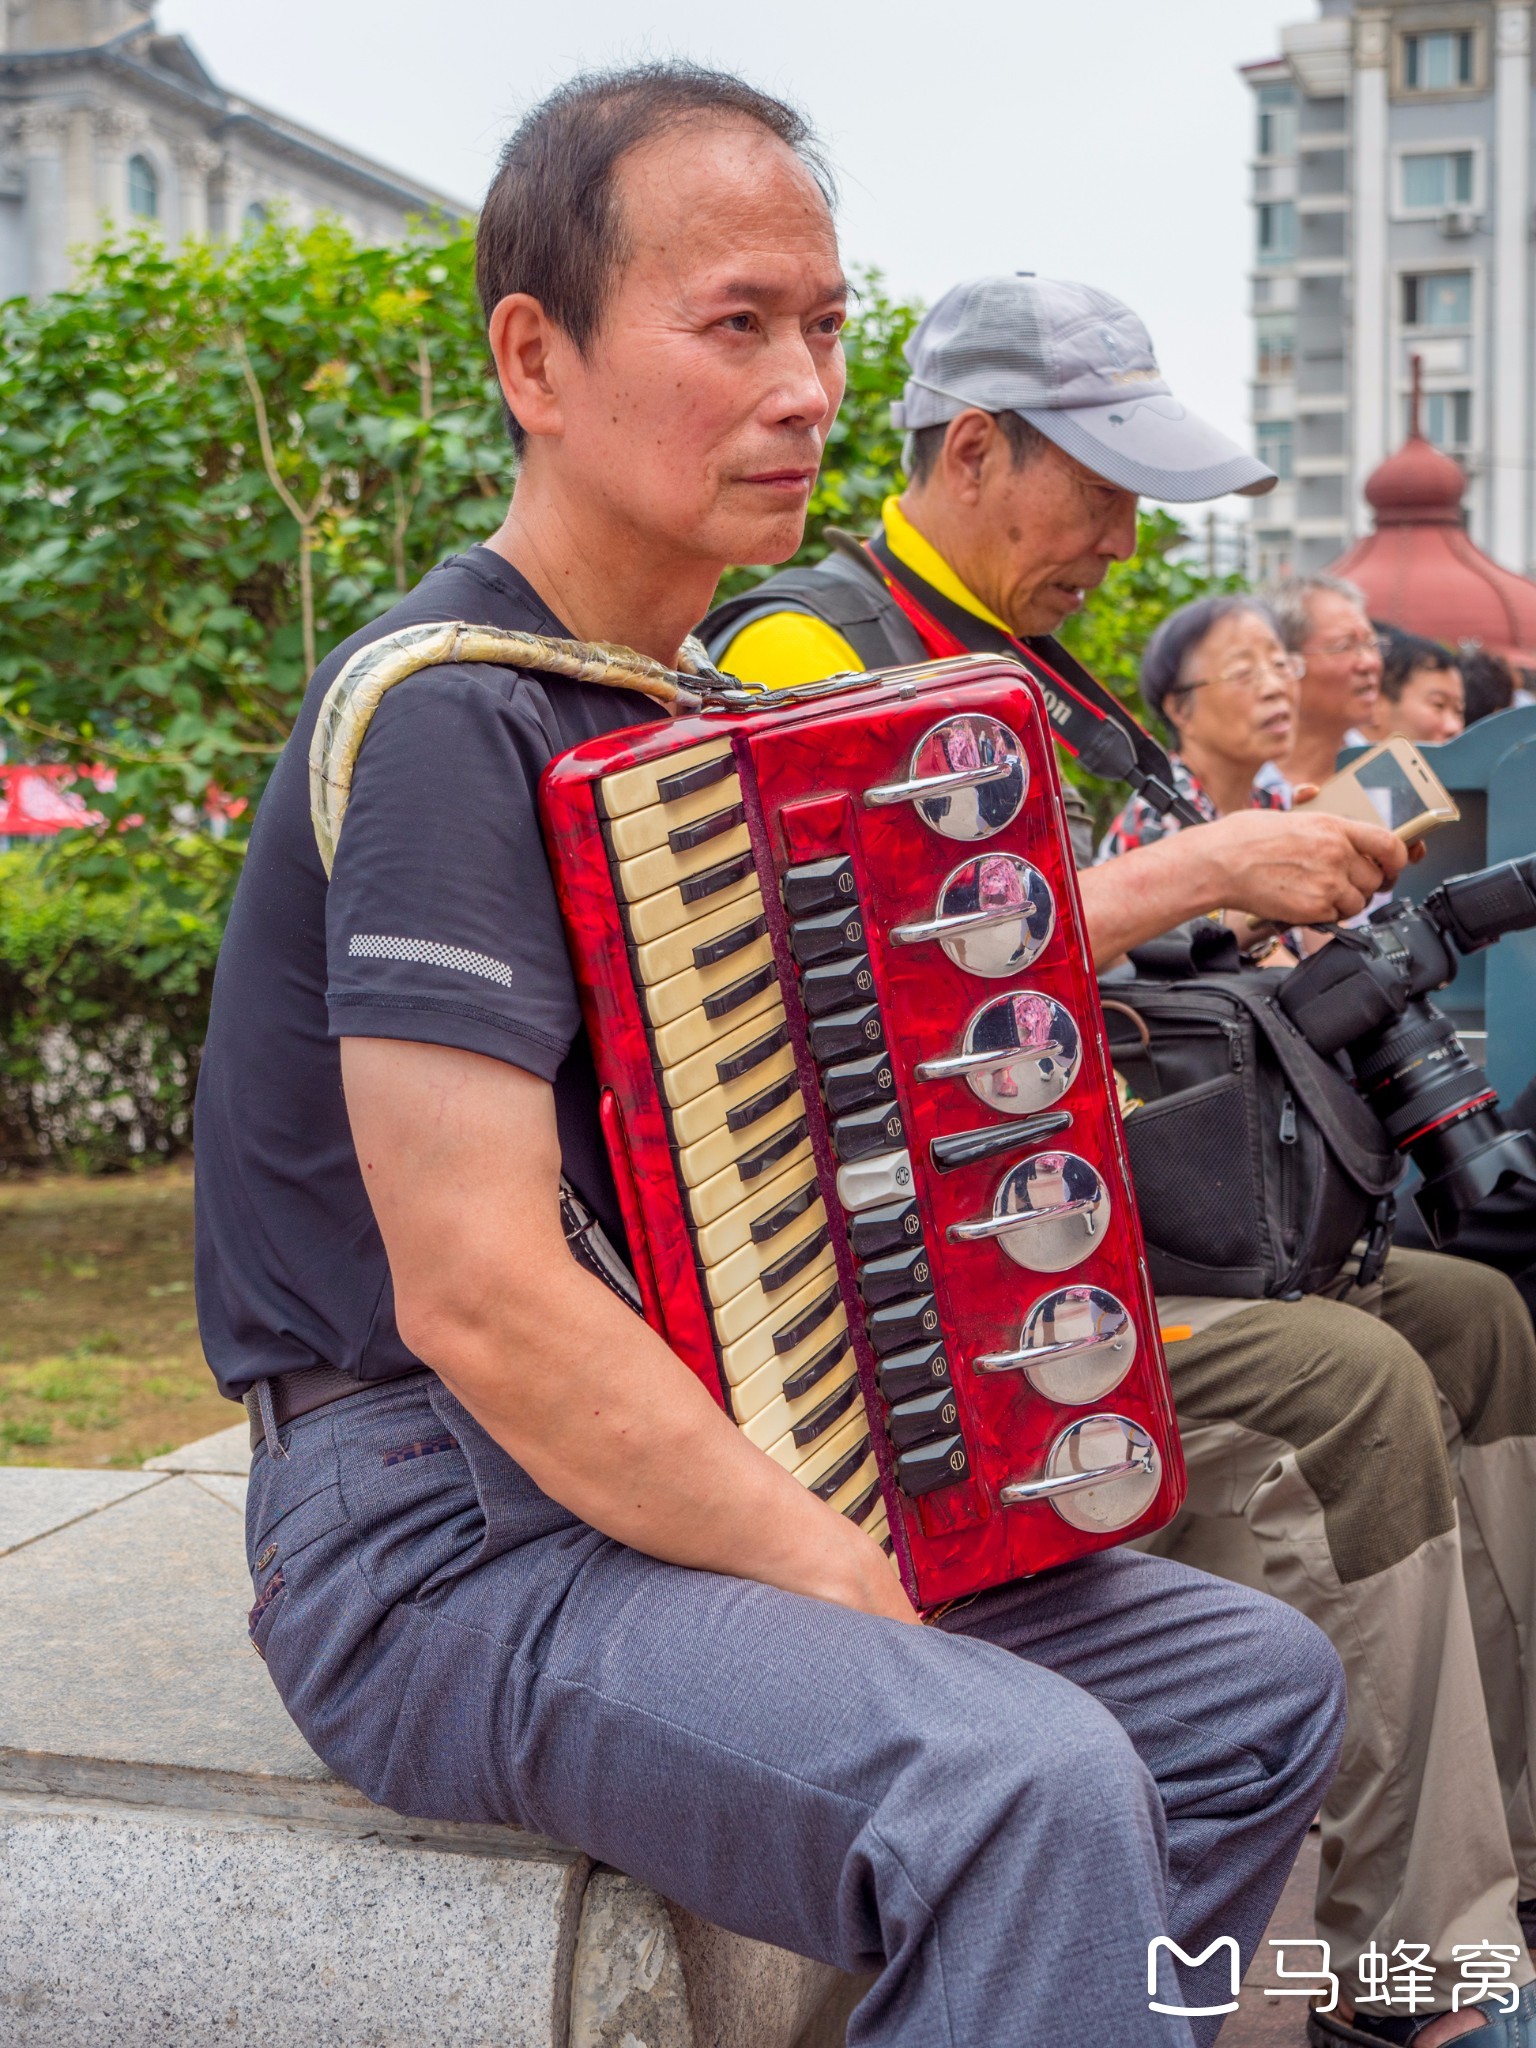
x=1257, y=1166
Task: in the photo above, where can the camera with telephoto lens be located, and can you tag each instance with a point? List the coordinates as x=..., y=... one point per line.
x=1365, y=995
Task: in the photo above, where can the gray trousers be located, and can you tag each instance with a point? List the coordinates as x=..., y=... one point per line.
x=996, y=1816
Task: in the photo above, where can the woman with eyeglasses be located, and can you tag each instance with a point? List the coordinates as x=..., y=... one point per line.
x=1217, y=675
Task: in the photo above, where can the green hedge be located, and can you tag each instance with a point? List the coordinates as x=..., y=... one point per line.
x=106, y=968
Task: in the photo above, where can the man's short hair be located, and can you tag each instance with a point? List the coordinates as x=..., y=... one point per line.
x=551, y=224
x=1407, y=652
x=923, y=445
x=1288, y=602
x=1487, y=681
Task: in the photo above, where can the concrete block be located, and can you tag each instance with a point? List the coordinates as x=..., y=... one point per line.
x=37, y=1499
x=177, y=1866
x=225, y=1487
x=227, y=1450
x=122, y=1638
x=649, y=1975
x=156, y=1929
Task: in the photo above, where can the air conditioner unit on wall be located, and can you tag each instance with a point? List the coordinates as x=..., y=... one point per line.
x=1459, y=221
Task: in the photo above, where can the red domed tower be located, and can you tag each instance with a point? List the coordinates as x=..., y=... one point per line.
x=1419, y=569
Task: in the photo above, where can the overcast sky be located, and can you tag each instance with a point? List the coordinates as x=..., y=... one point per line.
x=1100, y=139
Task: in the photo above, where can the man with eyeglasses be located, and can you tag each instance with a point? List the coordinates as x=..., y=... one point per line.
x=1370, y=1460
x=1323, y=621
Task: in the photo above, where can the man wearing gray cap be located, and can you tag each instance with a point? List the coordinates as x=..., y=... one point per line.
x=1036, y=415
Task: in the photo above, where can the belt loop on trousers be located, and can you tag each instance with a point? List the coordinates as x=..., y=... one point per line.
x=263, y=1392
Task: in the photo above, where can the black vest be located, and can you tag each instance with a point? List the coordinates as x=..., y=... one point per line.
x=838, y=590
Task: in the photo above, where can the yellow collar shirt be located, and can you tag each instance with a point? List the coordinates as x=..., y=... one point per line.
x=789, y=647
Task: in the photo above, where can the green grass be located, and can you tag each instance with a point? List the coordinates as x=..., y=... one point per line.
x=99, y=1358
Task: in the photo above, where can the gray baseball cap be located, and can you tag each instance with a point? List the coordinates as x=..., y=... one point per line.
x=1078, y=365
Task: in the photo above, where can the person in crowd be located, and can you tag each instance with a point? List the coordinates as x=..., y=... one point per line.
x=1487, y=682
x=1380, y=1446
x=1323, y=621
x=1422, y=695
x=512, y=1562
x=1015, y=507
x=1217, y=676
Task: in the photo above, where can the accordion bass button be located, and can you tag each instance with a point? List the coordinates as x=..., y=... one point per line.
x=897, y=1324
x=817, y=885
x=865, y=1183
x=855, y=1084
x=922, y=1418
x=886, y=1229
x=896, y=1275
x=867, y=1131
x=917, y=1371
x=834, y=985
x=926, y=1467
x=837, y=936
x=846, y=1031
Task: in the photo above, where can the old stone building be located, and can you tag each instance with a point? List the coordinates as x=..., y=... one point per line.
x=105, y=123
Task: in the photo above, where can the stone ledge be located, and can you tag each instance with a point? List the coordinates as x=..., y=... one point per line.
x=176, y=1864
x=227, y=1450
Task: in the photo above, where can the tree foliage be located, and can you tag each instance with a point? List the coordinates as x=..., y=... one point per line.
x=190, y=441
x=214, y=465
x=105, y=973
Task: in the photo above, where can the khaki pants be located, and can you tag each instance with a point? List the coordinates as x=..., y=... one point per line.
x=1371, y=1460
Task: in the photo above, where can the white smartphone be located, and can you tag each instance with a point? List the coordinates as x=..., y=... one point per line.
x=1392, y=785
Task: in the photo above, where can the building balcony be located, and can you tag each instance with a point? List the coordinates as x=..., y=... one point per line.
x=1322, y=465
x=1272, y=399
x=1320, y=55
x=1312, y=203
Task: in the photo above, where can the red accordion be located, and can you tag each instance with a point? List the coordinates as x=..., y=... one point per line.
x=860, y=1109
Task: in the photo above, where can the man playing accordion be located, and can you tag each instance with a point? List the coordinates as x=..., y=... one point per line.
x=512, y=1562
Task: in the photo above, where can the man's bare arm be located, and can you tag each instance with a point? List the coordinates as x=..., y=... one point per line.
x=1286, y=867
x=461, y=1160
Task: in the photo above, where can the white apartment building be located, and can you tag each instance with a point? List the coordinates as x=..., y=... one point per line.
x=105, y=122
x=1392, y=194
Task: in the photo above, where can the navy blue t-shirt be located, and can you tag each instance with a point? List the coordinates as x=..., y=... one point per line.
x=440, y=925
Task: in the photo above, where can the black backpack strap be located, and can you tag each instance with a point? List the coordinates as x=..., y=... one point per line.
x=1351, y=1131
x=839, y=590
